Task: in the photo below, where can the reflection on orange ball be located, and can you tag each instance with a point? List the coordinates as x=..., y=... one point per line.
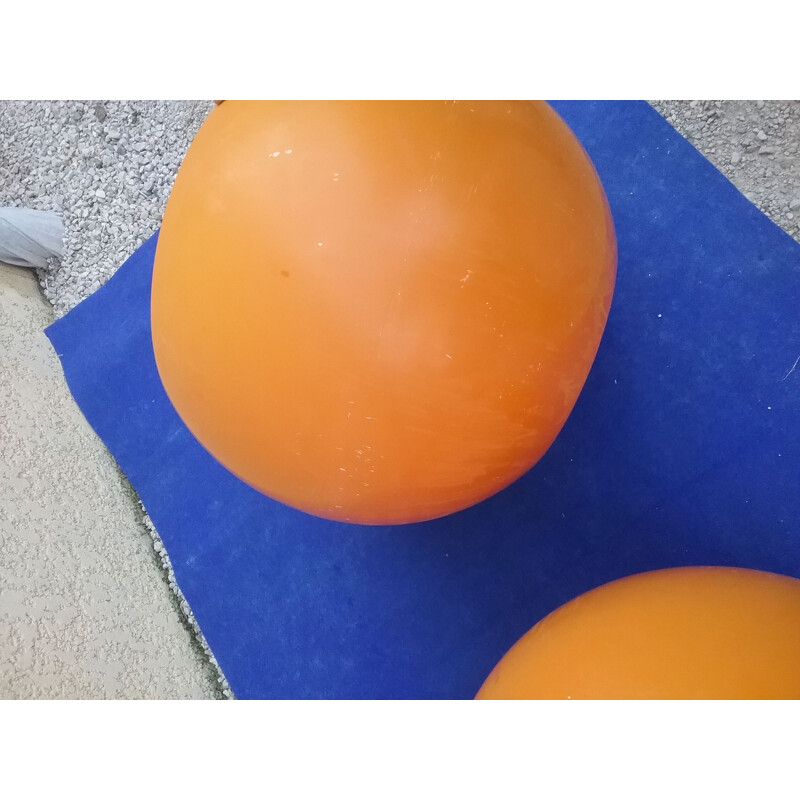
x=381, y=312
x=677, y=634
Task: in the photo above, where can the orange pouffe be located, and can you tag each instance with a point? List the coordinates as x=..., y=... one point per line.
x=381, y=312
x=687, y=633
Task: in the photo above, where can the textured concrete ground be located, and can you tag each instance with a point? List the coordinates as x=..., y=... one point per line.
x=85, y=611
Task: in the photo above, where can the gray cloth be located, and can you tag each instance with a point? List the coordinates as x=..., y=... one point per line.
x=28, y=238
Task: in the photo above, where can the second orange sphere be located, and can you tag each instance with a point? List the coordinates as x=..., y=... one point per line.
x=689, y=633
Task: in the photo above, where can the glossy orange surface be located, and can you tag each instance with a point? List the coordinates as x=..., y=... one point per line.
x=381, y=312
x=689, y=633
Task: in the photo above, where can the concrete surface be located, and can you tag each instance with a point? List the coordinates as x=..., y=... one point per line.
x=85, y=610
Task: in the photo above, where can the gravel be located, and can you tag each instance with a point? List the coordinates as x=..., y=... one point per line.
x=755, y=144
x=108, y=167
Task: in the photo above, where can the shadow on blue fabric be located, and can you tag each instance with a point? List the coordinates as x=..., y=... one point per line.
x=683, y=449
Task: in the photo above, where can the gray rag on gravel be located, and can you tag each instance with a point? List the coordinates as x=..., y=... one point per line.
x=29, y=238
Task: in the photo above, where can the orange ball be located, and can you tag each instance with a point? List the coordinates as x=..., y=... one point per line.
x=381, y=312
x=675, y=634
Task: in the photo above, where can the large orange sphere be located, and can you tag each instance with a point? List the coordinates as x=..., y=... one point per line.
x=381, y=312
x=678, y=634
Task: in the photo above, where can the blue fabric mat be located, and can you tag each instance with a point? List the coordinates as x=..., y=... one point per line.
x=684, y=448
